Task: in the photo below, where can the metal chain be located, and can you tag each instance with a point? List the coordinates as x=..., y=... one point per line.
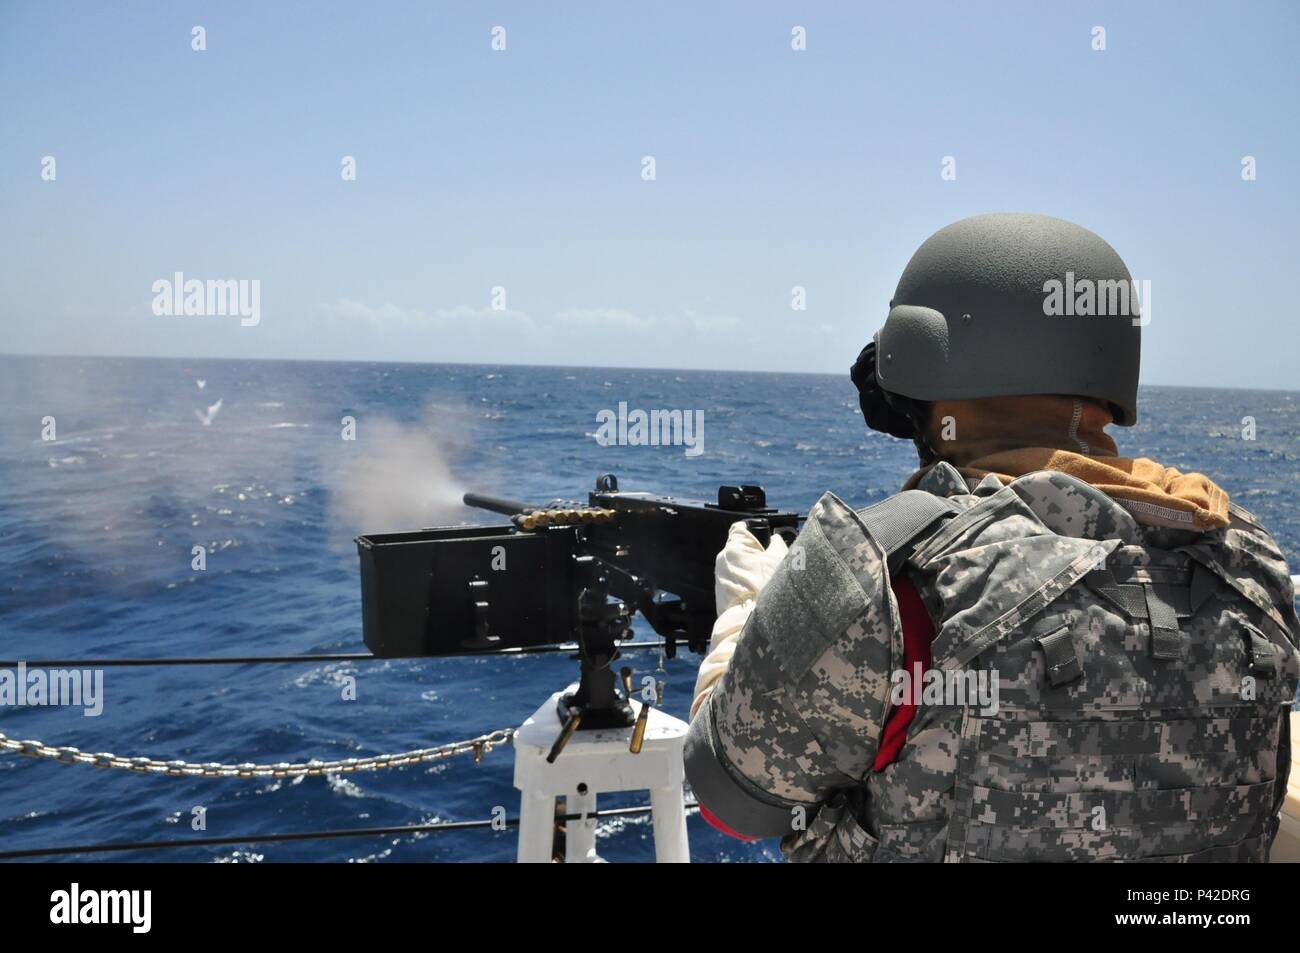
x=187, y=769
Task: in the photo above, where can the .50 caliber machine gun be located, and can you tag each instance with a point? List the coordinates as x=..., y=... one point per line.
x=565, y=572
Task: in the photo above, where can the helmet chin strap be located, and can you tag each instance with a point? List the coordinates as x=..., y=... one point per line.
x=924, y=452
x=918, y=412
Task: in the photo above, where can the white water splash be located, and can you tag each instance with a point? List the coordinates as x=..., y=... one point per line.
x=211, y=414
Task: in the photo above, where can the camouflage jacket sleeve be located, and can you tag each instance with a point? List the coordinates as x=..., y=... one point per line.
x=800, y=709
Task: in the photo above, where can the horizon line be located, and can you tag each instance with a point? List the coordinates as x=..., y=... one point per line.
x=608, y=367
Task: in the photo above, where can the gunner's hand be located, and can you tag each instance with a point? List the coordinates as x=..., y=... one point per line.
x=742, y=569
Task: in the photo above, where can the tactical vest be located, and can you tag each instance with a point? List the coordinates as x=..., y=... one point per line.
x=1144, y=675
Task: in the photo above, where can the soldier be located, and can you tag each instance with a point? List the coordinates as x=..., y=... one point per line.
x=1039, y=650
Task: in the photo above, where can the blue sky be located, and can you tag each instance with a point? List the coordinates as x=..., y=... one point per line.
x=522, y=169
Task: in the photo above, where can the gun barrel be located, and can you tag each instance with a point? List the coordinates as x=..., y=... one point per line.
x=497, y=504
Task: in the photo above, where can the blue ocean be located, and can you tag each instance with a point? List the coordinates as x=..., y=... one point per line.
x=113, y=470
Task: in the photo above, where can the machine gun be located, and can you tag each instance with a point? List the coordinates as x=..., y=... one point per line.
x=563, y=573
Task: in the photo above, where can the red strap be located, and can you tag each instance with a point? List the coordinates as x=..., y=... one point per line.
x=918, y=633
x=713, y=821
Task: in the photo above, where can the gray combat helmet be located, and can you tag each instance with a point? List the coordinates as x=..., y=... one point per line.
x=971, y=318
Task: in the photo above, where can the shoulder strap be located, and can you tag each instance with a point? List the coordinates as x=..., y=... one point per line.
x=895, y=523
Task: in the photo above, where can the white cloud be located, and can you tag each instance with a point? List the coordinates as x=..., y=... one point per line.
x=602, y=318
x=700, y=321
x=391, y=315
x=686, y=319
x=466, y=313
x=386, y=313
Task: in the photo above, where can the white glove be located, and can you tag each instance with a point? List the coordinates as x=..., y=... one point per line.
x=741, y=570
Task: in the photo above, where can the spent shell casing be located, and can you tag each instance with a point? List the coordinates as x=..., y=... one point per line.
x=638, y=730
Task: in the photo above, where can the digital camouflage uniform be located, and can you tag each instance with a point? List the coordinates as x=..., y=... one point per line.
x=1144, y=678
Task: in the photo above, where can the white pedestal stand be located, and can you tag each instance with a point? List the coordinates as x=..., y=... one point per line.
x=598, y=762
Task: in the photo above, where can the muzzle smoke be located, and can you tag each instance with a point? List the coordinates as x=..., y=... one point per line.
x=400, y=480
